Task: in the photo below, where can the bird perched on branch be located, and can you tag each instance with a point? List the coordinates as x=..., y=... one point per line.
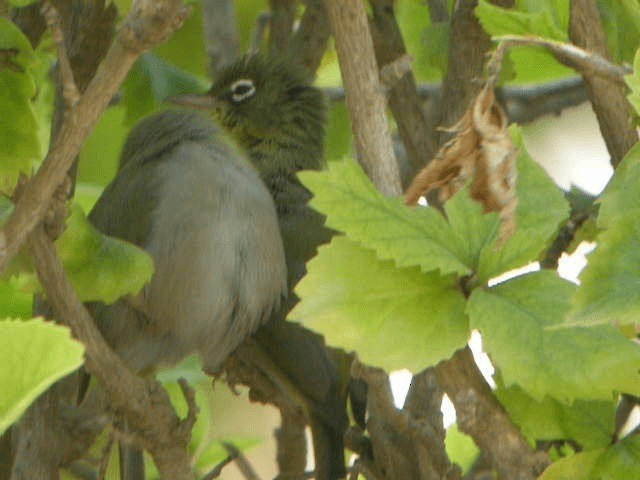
x=273, y=111
x=190, y=197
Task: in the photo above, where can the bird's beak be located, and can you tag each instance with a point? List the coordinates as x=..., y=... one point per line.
x=202, y=101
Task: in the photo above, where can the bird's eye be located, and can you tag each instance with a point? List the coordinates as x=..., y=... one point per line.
x=242, y=89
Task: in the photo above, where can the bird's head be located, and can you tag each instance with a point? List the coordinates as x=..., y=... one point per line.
x=265, y=102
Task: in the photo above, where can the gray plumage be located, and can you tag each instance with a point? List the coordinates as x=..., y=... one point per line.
x=190, y=197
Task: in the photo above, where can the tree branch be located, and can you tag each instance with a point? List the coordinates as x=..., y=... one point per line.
x=481, y=416
x=221, y=36
x=468, y=47
x=148, y=23
x=142, y=403
x=281, y=25
x=365, y=100
x=416, y=134
x=523, y=104
x=607, y=96
x=310, y=39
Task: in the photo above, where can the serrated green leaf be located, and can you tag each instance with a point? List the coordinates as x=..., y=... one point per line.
x=18, y=124
x=621, y=198
x=633, y=82
x=519, y=320
x=620, y=461
x=393, y=317
x=472, y=230
x=100, y=267
x=501, y=21
x=410, y=236
x=33, y=355
x=541, y=209
x=590, y=423
x=609, y=290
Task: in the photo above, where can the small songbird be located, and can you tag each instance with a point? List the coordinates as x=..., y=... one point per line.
x=273, y=111
x=188, y=195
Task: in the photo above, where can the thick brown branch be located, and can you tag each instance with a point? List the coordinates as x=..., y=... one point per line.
x=148, y=23
x=416, y=134
x=467, y=53
x=365, y=100
x=481, y=416
x=607, y=97
x=281, y=24
x=404, y=443
x=310, y=39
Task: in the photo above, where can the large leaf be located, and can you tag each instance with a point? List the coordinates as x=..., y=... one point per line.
x=633, y=82
x=33, y=355
x=590, y=423
x=410, y=236
x=620, y=461
x=101, y=267
x=18, y=124
x=501, y=21
x=519, y=321
x=609, y=290
x=621, y=22
x=393, y=317
x=540, y=210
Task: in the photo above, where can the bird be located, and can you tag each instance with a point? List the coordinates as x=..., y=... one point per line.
x=187, y=194
x=271, y=108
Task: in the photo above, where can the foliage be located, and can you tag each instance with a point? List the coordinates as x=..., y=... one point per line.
x=403, y=287
x=33, y=354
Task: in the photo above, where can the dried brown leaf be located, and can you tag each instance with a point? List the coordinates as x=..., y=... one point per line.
x=481, y=153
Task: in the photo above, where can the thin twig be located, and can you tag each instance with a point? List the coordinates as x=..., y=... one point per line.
x=241, y=461
x=392, y=72
x=70, y=90
x=575, y=57
x=104, y=459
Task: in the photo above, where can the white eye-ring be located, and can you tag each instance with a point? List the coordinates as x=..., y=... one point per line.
x=242, y=89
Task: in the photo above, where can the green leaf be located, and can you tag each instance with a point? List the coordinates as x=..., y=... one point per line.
x=17, y=301
x=21, y=3
x=519, y=320
x=500, y=21
x=18, y=124
x=33, y=355
x=101, y=267
x=393, y=317
x=608, y=292
x=461, y=448
x=621, y=198
x=410, y=236
x=633, y=82
x=537, y=220
x=590, y=423
x=620, y=461
x=621, y=22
